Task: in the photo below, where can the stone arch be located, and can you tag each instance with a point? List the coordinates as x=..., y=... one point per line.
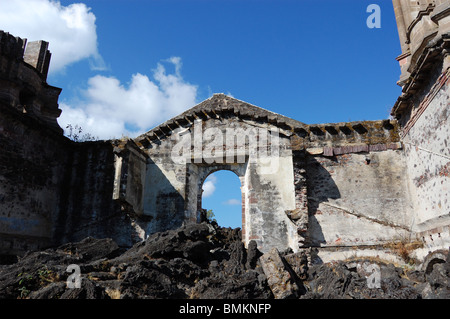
x=241, y=178
x=197, y=181
x=223, y=133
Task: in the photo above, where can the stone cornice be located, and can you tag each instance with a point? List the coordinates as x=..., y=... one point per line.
x=419, y=17
x=214, y=108
x=431, y=56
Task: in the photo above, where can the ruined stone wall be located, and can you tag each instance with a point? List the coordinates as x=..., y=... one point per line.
x=23, y=74
x=33, y=153
x=427, y=150
x=87, y=207
x=423, y=113
x=334, y=186
x=419, y=23
x=54, y=190
x=269, y=197
x=351, y=181
x=164, y=191
x=173, y=191
x=173, y=188
x=358, y=199
x=32, y=169
x=266, y=174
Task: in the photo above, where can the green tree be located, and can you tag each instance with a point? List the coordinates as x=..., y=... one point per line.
x=210, y=215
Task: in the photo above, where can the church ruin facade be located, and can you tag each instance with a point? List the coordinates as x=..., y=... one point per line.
x=336, y=190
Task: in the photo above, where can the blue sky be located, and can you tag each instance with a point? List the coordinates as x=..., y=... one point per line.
x=125, y=66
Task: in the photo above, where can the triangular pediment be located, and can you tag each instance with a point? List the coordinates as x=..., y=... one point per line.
x=222, y=105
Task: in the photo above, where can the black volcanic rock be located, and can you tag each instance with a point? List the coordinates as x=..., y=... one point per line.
x=199, y=261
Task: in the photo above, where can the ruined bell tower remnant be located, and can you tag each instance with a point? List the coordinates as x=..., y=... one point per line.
x=333, y=190
x=423, y=113
x=24, y=68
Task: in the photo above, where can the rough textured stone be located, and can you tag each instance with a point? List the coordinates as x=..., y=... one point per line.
x=278, y=275
x=229, y=270
x=92, y=249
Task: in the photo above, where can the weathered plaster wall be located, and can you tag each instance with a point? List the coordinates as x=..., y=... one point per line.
x=87, y=207
x=351, y=187
x=427, y=149
x=130, y=165
x=349, y=178
x=164, y=188
x=358, y=199
x=33, y=152
x=53, y=190
x=173, y=187
x=423, y=113
x=269, y=196
x=32, y=169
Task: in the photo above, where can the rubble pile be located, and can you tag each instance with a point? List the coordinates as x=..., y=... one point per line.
x=202, y=261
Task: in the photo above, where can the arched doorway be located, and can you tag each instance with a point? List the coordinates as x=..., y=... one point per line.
x=223, y=196
x=198, y=175
x=264, y=200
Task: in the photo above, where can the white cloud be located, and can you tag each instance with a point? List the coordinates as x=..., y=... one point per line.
x=111, y=109
x=208, y=189
x=209, y=186
x=108, y=108
x=232, y=202
x=70, y=30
